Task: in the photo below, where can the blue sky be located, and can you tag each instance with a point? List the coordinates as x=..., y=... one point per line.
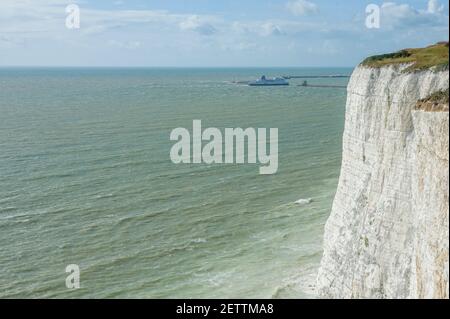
x=191, y=33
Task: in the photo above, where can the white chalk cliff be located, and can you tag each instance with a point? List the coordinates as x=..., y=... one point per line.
x=388, y=232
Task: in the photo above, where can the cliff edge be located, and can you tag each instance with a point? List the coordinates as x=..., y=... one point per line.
x=388, y=232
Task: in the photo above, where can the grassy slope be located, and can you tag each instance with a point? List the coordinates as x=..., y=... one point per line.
x=422, y=58
x=438, y=97
x=436, y=102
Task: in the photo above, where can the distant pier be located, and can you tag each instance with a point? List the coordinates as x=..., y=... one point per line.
x=332, y=76
x=306, y=84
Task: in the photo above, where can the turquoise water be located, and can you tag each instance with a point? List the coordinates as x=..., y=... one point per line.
x=86, y=178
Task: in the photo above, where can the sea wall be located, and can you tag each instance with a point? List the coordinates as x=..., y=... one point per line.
x=388, y=232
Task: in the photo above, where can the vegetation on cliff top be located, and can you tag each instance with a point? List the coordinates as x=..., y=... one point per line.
x=420, y=59
x=436, y=102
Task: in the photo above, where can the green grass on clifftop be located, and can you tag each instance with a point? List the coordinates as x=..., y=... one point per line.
x=421, y=58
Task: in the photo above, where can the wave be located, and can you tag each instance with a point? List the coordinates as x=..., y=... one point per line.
x=104, y=196
x=199, y=241
x=303, y=286
x=304, y=201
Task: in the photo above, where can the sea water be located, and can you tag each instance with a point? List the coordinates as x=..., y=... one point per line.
x=86, y=179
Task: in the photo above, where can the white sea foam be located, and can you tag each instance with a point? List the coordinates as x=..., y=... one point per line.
x=300, y=286
x=304, y=201
x=199, y=240
x=104, y=196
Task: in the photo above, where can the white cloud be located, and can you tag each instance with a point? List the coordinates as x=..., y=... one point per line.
x=269, y=29
x=301, y=7
x=274, y=27
x=434, y=6
x=8, y=42
x=197, y=24
x=48, y=16
x=130, y=45
x=395, y=15
x=326, y=48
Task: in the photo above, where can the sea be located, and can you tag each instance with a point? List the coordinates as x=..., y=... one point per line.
x=86, y=179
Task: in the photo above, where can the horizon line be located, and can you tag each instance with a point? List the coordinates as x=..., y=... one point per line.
x=164, y=67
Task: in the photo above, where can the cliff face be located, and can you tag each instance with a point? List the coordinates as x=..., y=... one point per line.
x=387, y=235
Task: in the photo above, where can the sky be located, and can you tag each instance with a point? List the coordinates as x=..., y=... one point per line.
x=213, y=33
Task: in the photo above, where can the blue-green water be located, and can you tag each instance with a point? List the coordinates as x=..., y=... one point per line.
x=86, y=178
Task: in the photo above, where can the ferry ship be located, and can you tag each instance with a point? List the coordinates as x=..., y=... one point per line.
x=263, y=81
